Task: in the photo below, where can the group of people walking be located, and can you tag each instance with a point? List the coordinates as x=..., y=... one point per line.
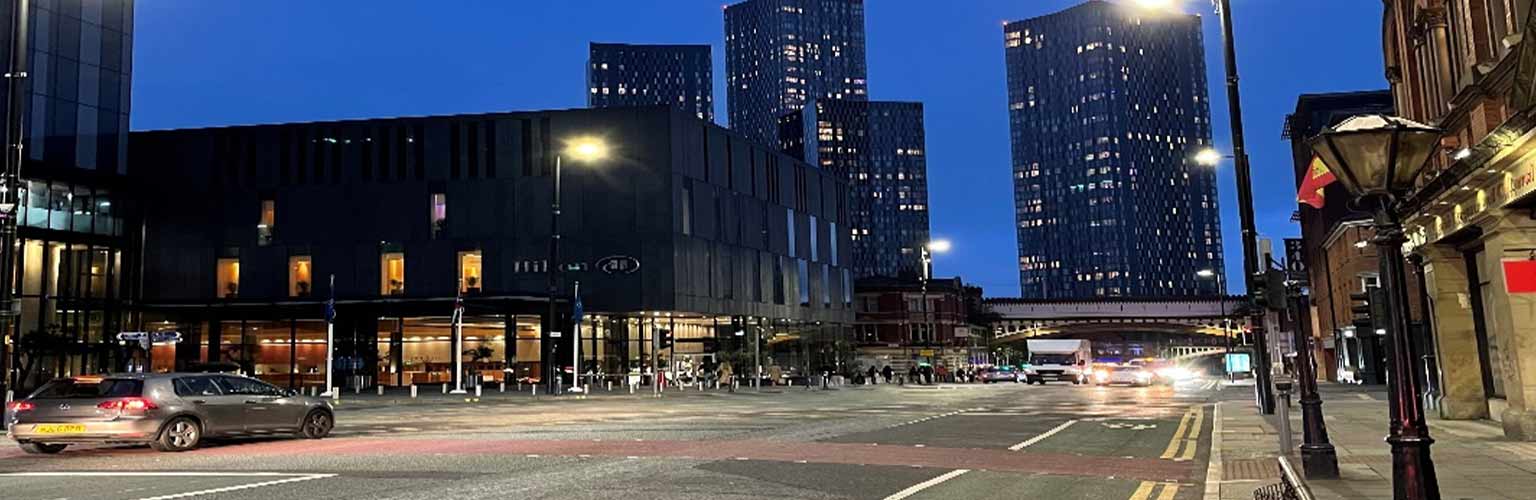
x=917, y=374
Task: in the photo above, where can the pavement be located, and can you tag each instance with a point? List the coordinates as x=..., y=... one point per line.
x=1472, y=459
x=879, y=443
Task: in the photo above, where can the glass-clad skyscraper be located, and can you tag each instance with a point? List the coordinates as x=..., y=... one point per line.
x=781, y=54
x=880, y=147
x=621, y=74
x=1107, y=108
x=77, y=251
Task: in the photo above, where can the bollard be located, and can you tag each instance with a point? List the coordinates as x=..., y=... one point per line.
x=609, y=385
x=413, y=391
x=335, y=394
x=381, y=390
x=357, y=389
x=477, y=390
x=535, y=388
x=1283, y=386
x=503, y=387
x=445, y=388
x=631, y=388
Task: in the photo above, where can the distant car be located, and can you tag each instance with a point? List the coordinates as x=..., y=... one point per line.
x=1124, y=374
x=168, y=411
x=1000, y=374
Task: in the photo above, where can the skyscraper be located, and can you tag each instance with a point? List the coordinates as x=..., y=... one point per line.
x=76, y=249
x=1107, y=106
x=780, y=54
x=620, y=74
x=880, y=147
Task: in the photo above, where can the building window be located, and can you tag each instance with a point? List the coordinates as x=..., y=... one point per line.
x=804, y=282
x=392, y=273
x=469, y=271
x=228, y=277
x=268, y=220
x=439, y=214
x=299, y=274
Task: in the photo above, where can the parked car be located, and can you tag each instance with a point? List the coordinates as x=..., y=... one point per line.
x=1001, y=374
x=168, y=411
x=1124, y=374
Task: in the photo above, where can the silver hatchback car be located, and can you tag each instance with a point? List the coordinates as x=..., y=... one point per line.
x=169, y=411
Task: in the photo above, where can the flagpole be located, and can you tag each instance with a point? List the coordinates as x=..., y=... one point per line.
x=330, y=336
x=458, y=341
x=576, y=338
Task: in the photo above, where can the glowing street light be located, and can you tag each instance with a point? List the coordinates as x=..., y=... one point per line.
x=587, y=149
x=938, y=246
x=1209, y=157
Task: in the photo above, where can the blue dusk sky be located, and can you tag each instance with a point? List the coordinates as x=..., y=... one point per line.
x=205, y=63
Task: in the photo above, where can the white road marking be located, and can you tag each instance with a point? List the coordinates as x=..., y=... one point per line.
x=926, y=484
x=286, y=478
x=1213, y=470
x=1042, y=436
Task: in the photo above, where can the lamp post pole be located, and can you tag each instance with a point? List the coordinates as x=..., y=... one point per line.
x=552, y=270
x=1413, y=472
x=1245, y=206
x=10, y=185
x=1318, y=458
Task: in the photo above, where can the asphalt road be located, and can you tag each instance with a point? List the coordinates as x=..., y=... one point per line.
x=976, y=441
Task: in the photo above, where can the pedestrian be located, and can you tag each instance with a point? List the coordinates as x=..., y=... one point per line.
x=727, y=375
x=871, y=374
x=887, y=372
x=912, y=374
x=927, y=373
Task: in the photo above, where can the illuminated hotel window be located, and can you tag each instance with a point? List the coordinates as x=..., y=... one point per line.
x=228, y=277
x=300, y=283
x=392, y=273
x=439, y=214
x=469, y=271
x=268, y=218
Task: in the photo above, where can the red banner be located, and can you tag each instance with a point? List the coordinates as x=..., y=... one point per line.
x=1520, y=276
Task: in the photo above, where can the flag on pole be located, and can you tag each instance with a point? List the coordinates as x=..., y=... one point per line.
x=576, y=309
x=458, y=306
x=330, y=304
x=1318, y=177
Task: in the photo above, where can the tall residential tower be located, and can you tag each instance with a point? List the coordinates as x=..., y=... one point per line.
x=781, y=54
x=1107, y=106
x=880, y=148
x=620, y=74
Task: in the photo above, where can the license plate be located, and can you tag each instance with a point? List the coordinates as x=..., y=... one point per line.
x=59, y=428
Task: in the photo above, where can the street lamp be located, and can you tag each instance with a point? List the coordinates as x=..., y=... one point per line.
x=10, y=188
x=927, y=250
x=1377, y=158
x=589, y=150
x=1264, y=392
x=1209, y=157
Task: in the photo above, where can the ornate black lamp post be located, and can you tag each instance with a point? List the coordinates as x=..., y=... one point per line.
x=1377, y=158
x=1318, y=458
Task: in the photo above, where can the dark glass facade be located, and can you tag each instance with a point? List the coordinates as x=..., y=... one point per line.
x=781, y=54
x=685, y=227
x=77, y=249
x=1108, y=108
x=880, y=147
x=621, y=74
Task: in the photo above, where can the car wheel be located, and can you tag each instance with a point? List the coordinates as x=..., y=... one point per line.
x=317, y=424
x=180, y=434
x=42, y=448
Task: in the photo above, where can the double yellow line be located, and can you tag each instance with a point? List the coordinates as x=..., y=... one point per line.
x=1145, y=490
x=1187, y=436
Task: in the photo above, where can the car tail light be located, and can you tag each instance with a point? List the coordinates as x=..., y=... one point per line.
x=22, y=406
x=128, y=404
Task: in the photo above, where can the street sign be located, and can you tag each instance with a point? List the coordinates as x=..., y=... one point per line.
x=554, y=335
x=1295, y=260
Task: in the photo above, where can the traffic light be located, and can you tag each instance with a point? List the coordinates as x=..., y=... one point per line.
x=663, y=339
